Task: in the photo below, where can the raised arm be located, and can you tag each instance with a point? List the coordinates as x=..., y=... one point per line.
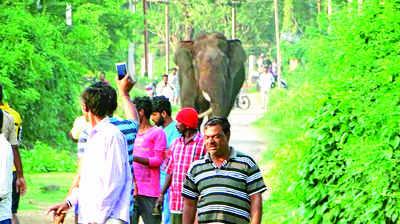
x=124, y=86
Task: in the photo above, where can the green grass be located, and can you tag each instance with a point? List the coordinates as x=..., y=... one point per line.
x=36, y=198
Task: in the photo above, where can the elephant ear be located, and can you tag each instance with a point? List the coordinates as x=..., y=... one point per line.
x=183, y=58
x=237, y=57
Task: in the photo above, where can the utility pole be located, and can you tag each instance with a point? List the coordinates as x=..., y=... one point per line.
x=166, y=37
x=131, y=50
x=233, y=20
x=146, y=41
x=278, y=51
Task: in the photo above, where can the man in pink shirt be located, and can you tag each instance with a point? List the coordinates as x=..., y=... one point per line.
x=148, y=151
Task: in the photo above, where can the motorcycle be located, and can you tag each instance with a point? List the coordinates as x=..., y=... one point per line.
x=242, y=101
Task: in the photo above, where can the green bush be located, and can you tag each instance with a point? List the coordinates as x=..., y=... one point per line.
x=351, y=172
x=336, y=136
x=43, y=159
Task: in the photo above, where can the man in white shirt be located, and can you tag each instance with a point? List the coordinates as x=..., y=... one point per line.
x=164, y=88
x=105, y=177
x=6, y=166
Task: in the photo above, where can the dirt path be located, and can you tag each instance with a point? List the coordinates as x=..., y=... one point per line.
x=244, y=138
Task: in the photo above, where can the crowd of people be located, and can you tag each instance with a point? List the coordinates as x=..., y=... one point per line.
x=147, y=165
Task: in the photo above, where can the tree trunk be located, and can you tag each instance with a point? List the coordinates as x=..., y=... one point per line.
x=319, y=7
x=278, y=51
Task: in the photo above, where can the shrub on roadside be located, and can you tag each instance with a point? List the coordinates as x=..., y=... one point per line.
x=43, y=159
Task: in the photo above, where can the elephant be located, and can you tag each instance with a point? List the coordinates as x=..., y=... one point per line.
x=211, y=73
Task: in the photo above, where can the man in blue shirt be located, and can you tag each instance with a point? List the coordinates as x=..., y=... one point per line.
x=161, y=117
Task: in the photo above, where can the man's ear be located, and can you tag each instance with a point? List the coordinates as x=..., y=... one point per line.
x=228, y=136
x=164, y=114
x=85, y=108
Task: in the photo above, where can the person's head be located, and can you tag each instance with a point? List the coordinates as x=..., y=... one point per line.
x=187, y=118
x=174, y=71
x=143, y=106
x=161, y=110
x=165, y=78
x=112, y=93
x=96, y=100
x=216, y=134
x=102, y=76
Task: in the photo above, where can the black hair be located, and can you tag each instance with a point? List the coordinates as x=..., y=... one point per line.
x=160, y=104
x=97, y=99
x=221, y=121
x=112, y=96
x=165, y=75
x=1, y=93
x=144, y=103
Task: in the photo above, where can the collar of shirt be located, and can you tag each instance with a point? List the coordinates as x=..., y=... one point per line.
x=232, y=155
x=98, y=126
x=193, y=138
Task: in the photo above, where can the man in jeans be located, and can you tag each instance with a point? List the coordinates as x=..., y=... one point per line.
x=105, y=175
x=148, y=154
x=6, y=164
x=183, y=151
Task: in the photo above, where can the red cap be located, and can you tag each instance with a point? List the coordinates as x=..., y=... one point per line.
x=188, y=116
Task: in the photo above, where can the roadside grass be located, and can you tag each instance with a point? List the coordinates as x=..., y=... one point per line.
x=37, y=198
x=283, y=128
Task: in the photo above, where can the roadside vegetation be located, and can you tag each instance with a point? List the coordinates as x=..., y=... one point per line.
x=334, y=136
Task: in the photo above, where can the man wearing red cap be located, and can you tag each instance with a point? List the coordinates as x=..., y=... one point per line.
x=183, y=151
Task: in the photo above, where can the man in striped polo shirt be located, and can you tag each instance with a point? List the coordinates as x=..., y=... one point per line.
x=225, y=186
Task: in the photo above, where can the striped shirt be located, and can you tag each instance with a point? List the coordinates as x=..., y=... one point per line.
x=181, y=156
x=225, y=192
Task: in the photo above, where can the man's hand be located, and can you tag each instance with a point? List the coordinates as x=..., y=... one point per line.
x=59, y=212
x=21, y=185
x=160, y=201
x=125, y=85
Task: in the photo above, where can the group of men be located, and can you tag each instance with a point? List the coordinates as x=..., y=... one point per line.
x=12, y=182
x=168, y=171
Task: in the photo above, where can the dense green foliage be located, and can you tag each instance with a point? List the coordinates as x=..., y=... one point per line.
x=44, y=62
x=338, y=143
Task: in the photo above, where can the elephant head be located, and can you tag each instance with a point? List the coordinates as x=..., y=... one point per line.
x=211, y=73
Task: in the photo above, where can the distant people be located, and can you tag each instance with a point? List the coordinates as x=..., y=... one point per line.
x=260, y=63
x=6, y=176
x=12, y=128
x=174, y=80
x=161, y=117
x=183, y=151
x=104, y=189
x=225, y=186
x=164, y=88
x=148, y=154
x=103, y=78
x=265, y=82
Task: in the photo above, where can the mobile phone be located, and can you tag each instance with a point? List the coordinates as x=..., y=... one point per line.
x=121, y=70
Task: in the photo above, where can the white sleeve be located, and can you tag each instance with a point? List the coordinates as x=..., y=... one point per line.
x=6, y=165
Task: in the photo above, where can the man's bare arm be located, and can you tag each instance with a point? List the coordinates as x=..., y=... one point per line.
x=124, y=86
x=256, y=208
x=189, y=210
x=21, y=184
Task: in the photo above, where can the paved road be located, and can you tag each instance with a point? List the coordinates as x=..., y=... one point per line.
x=244, y=138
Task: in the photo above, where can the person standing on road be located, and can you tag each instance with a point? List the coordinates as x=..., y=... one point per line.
x=186, y=149
x=6, y=164
x=227, y=182
x=148, y=154
x=265, y=82
x=12, y=127
x=105, y=174
x=161, y=117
